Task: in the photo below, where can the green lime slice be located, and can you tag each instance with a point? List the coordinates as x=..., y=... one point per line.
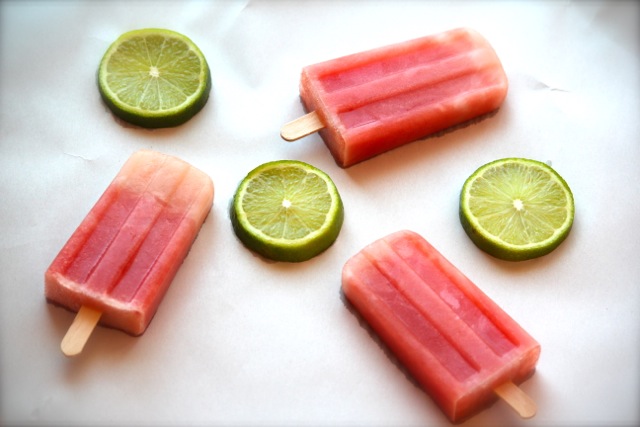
x=287, y=210
x=154, y=78
x=516, y=209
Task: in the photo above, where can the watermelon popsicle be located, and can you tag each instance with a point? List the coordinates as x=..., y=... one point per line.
x=461, y=347
x=118, y=264
x=370, y=102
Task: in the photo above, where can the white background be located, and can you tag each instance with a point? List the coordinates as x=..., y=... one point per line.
x=242, y=341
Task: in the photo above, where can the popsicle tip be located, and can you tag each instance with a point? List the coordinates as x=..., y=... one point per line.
x=301, y=127
x=515, y=397
x=80, y=330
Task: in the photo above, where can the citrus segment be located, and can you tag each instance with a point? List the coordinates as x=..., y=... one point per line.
x=516, y=209
x=287, y=210
x=154, y=78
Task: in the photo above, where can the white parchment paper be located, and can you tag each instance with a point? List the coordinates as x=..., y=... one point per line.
x=241, y=341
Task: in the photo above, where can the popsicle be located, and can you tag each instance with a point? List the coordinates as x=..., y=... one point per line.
x=460, y=346
x=118, y=264
x=370, y=102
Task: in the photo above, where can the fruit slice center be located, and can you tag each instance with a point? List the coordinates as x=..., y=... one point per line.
x=154, y=72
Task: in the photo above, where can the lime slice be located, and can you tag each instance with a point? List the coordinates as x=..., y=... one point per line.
x=516, y=209
x=154, y=78
x=287, y=210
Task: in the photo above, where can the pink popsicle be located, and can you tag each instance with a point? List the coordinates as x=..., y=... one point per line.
x=460, y=346
x=120, y=261
x=370, y=102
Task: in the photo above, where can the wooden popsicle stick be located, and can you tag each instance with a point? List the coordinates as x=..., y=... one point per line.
x=301, y=127
x=79, y=331
x=517, y=399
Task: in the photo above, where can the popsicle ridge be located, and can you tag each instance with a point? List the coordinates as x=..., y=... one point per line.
x=109, y=268
x=421, y=323
x=91, y=241
x=357, y=69
x=123, y=256
x=423, y=79
x=188, y=221
x=470, y=325
x=457, y=343
x=374, y=101
x=472, y=313
x=155, y=227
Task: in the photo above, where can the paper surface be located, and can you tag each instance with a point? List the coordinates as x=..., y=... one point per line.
x=241, y=341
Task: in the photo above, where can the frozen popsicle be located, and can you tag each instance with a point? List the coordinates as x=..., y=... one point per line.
x=370, y=102
x=461, y=347
x=118, y=264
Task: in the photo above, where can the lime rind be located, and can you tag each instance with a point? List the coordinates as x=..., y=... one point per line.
x=505, y=233
x=269, y=245
x=152, y=114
